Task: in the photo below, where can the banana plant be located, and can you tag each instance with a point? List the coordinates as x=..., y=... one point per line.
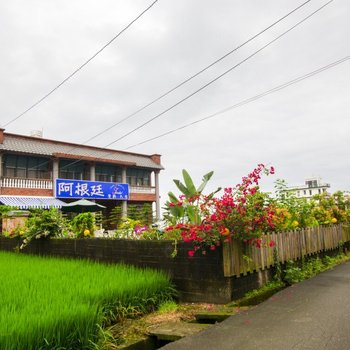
x=188, y=209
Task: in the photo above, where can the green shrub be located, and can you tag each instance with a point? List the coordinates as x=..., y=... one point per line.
x=83, y=225
x=43, y=223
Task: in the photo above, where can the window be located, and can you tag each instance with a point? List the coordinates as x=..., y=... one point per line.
x=310, y=192
x=26, y=167
x=108, y=173
x=138, y=177
x=74, y=170
x=311, y=183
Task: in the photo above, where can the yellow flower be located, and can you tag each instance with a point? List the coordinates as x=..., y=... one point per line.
x=295, y=223
x=86, y=233
x=334, y=220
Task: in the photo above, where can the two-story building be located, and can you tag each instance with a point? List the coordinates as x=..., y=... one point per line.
x=312, y=186
x=38, y=172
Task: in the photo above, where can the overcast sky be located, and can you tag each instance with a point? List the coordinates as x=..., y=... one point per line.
x=303, y=130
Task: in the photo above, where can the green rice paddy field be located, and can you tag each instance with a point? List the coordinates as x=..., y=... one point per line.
x=51, y=303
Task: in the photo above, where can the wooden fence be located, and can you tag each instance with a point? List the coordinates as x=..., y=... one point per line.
x=293, y=245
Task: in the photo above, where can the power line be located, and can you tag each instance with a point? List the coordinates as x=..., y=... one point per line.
x=249, y=100
x=212, y=81
x=190, y=78
x=263, y=47
x=82, y=66
x=219, y=76
x=195, y=74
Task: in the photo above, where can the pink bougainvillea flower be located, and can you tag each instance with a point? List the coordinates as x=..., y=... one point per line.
x=191, y=253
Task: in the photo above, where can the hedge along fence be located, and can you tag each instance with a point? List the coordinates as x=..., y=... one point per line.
x=239, y=260
x=213, y=278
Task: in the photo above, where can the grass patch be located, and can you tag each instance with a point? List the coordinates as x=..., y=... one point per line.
x=256, y=296
x=168, y=306
x=50, y=303
x=293, y=273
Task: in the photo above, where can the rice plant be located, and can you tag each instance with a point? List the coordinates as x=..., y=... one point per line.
x=51, y=303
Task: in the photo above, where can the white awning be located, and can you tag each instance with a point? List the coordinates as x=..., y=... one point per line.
x=27, y=202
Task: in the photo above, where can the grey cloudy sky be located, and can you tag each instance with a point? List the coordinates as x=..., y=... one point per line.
x=302, y=130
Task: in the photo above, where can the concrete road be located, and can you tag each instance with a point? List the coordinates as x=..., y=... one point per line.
x=312, y=315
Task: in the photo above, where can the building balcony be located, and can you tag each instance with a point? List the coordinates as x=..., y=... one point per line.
x=41, y=184
x=143, y=189
x=9, y=182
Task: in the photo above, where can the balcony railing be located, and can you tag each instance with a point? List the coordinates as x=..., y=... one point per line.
x=142, y=189
x=10, y=182
x=26, y=183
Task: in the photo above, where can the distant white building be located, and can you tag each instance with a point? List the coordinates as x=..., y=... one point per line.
x=313, y=186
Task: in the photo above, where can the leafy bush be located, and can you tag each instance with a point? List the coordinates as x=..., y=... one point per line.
x=242, y=213
x=310, y=268
x=44, y=223
x=83, y=225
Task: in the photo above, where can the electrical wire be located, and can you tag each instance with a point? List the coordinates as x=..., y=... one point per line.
x=252, y=55
x=303, y=20
x=218, y=77
x=81, y=66
x=195, y=74
x=190, y=78
x=249, y=100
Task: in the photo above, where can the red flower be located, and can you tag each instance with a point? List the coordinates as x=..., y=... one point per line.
x=191, y=253
x=272, y=244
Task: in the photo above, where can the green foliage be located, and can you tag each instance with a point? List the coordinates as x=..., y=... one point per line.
x=83, y=225
x=291, y=212
x=43, y=223
x=257, y=296
x=277, y=265
x=141, y=213
x=49, y=303
x=168, y=306
x=135, y=229
x=330, y=209
x=114, y=218
x=126, y=228
x=295, y=273
x=294, y=213
x=4, y=210
x=187, y=208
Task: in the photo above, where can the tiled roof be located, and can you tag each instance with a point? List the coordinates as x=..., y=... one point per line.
x=45, y=147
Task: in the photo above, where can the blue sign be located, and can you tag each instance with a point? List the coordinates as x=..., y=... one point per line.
x=91, y=189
